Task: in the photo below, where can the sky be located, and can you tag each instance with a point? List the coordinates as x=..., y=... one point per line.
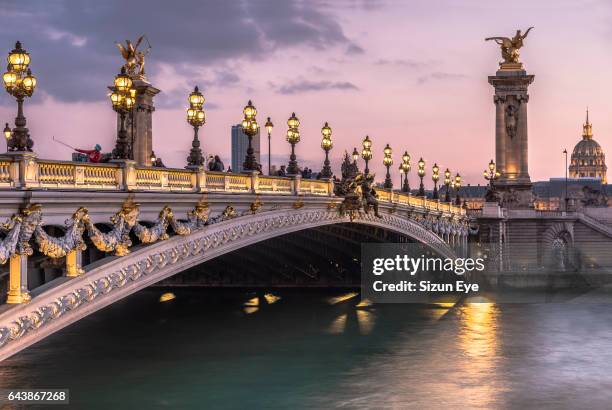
x=412, y=74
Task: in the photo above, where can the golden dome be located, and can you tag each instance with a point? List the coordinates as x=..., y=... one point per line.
x=588, y=159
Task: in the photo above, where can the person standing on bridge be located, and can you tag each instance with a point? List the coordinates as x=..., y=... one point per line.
x=218, y=164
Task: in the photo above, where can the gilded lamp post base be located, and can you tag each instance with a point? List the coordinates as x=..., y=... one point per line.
x=73, y=264
x=18, y=280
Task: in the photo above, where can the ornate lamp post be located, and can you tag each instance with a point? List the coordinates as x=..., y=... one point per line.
x=293, y=137
x=196, y=117
x=491, y=174
x=387, y=162
x=123, y=98
x=269, y=127
x=7, y=134
x=250, y=127
x=355, y=155
x=20, y=83
x=405, y=167
x=435, y=176
x=457, y=186
x=447, y=183
x=421, y=172
x=326, y=144
x=366, y=153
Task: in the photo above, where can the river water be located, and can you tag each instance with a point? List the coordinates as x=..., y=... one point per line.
x=315, y=349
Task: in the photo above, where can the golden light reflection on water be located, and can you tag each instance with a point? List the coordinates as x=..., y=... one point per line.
x=252, y=302
x=342, y=298
x=364, y=303
x=478, y=336
x=338, y=325
x=439, y=310
x=478, y=339
x=366, y=321
x=251, y=306
x=270, y=298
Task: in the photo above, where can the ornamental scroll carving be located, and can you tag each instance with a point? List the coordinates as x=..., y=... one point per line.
x=28, y=224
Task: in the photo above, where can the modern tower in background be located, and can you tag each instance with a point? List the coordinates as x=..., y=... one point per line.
x=240, y=143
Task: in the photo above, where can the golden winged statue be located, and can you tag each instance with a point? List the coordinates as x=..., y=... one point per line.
x=134, y=58
x=510, y=46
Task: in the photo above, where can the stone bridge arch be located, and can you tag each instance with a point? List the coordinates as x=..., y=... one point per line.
x=114, y=278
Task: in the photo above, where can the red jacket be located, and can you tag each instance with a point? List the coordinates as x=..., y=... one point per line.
x=94, y=156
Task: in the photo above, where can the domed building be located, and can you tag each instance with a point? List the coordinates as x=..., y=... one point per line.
x=588, y=159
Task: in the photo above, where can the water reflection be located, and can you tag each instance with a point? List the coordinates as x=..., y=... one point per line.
x=334, y=300
x=306, y=353
x=338, y=326
x=478, y=340
x=366, y=321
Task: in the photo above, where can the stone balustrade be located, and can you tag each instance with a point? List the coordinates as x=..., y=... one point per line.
x=25, y=171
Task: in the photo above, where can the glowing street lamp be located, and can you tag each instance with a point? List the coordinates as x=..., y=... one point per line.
x=491, y=174
x=326, y=144
x=447, y=183
x=457, y=187
x=196, y=117
x=405, y=167
x=435, y=176
x=250, y=128
x=269, y=127
x=293, y=137
x=387, y=162
x=123, y=98
x=355, y=155
x=421, y=173
x=20, y=83
x=366, y=153
x=7, y=134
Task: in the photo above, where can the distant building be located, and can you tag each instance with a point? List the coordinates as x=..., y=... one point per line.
x=588, y=159
x=240, y=143
x=581, y=192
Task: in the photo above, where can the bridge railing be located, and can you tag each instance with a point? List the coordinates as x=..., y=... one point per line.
x=25, y=171
x=402, y=198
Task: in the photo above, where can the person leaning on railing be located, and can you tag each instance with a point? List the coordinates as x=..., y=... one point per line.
x=94, y=155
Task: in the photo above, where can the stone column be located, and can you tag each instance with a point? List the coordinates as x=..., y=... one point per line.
x=139, y=124
x=511, y=135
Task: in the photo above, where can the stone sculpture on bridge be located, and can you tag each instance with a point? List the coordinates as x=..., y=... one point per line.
x=8, y=245
x=118, y=239
x=369, y=195
x=510, y=46
x=157, y=231
x=357, y=190
x=72, y=239
x=134, y=59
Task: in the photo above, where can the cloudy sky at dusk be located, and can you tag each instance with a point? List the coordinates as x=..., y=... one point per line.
x=409, y=73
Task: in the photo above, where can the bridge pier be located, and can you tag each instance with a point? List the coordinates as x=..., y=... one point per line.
x=18, y=280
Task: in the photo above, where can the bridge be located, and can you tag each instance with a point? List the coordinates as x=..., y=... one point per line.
x=80, y=236
x=148, y=224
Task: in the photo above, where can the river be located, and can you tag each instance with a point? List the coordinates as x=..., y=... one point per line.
x=323, y=349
